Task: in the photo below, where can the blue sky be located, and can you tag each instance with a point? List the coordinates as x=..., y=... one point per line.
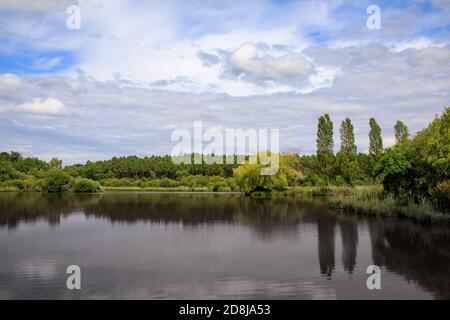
x=137, y=70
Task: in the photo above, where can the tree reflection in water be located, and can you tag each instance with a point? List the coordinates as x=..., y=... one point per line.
x=420, y=253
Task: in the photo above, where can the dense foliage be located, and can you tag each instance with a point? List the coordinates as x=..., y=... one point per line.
x=325, y=144
x=249, y=178
x=32, y=174
x=416, y=167
x=420, y=166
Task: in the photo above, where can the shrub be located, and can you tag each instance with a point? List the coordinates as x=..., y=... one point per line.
x=313, y=179
x=56, y=180
x=114, y=182
x=199, y=181
x=37, y=173
x=441, y=194
x=414, y=167
x=321, y=192
x=86, y=185
x=28, y=184
x=339, y=181
x=12, y=185
x=168, y=183
x=294, y=177
x=218, y=184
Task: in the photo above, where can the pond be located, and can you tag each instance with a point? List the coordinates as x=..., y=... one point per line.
x=211, y=246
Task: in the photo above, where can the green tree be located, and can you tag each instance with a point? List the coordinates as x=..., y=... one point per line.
x=15, y=156
x=401, y=132
x=346, y=158
x=57, y=180
x=375, y=139
x=249, y=178
x=418, y=166
x=394, y=168
x=325, y=144
x=348, y=145
x=56, y=163
x=375, y=150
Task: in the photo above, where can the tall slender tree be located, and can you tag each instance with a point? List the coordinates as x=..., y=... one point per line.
x=325, y=143
x=401, y=132
x=375, y=139
x=346, y=158
x=348, y=146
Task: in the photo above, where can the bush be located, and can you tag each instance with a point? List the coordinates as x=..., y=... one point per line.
x=313, y=179
x=56, y=180
x=37, y=173
x=414, y=167
x=28, y=184
x=199, y=181
x=12, y=185
x=114, y=182
x=168, y=183
x=86, y=185
x=294, y=177
x=321, y=192
x=339, y=181
x=441, y=194
x=218, y=184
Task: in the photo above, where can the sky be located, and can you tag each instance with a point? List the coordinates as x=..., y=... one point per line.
x=137, y=70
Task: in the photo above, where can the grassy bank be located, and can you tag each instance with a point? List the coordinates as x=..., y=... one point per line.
x=165, y=189
x=9, y=189
x=371, y=200
x=368, y=200
x=132, y=188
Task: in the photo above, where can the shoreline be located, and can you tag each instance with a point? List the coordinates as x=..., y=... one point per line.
x=359, y=200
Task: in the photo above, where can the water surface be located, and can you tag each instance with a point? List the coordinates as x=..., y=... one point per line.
x=211, y=246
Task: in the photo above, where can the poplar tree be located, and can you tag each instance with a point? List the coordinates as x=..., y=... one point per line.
x=325, y=143
x=348, y=146
x=346, y=159
x=375, y=139
x=401, y=132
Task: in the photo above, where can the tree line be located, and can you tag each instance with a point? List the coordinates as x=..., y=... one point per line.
x=348, y=166
x=415, y=166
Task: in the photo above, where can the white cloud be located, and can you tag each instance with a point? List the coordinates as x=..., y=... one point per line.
x=112, y=120
x=249, y=59
x=145, y=67
x=8, y=81
x=49, y=106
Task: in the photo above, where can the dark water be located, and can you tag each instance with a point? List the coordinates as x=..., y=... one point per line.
x=165, y=246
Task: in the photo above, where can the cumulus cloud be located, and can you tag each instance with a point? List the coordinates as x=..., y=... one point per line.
x=112, y=119
x=244, y=65
x=39, y=106
x=254, y=47
x=254, y=62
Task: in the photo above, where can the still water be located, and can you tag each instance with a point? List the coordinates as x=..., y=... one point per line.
x=211, y=246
